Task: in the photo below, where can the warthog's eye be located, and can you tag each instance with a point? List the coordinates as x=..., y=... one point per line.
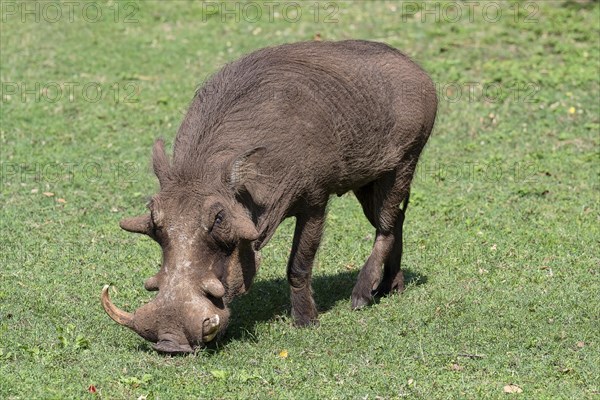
x=221, y=232
x=218, y=218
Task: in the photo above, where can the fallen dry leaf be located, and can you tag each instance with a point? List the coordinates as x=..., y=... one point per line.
x=48, y=194
x=283, y=353
x=580, y=344
x=512, y=389
x=61, y=201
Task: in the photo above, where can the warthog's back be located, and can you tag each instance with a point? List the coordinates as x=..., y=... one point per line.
x=334, y=114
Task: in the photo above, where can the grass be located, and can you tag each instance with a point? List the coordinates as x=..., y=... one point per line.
x=502, y=235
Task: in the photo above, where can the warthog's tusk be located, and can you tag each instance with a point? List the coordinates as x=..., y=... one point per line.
x=119, y=316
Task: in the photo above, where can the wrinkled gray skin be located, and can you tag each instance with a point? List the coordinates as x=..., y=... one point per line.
x=272, y=136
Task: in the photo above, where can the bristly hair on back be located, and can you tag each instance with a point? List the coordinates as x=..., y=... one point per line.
x=160, y=162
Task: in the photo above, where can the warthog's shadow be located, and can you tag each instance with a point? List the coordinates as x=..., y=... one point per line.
x=270, y=299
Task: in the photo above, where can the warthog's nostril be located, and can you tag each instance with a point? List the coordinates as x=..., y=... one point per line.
x=210, y=328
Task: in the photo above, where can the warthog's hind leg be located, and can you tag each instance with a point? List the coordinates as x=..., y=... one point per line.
x=381, y=202
x=393, y=278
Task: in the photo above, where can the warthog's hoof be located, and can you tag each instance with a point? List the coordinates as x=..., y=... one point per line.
x=306, y=322
x=361, y=301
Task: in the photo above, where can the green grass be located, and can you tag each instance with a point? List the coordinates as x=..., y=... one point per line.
x=502, y=235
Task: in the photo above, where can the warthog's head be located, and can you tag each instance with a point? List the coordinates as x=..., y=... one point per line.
x=206, y=237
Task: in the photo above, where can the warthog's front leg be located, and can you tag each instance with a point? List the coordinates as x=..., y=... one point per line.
x=307, y=236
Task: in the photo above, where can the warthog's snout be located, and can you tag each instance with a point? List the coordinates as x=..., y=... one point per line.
x=173, y=326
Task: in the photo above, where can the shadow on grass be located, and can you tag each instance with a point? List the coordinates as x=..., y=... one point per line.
x=268, y=300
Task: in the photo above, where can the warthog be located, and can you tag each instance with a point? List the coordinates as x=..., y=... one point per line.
x=271, y=136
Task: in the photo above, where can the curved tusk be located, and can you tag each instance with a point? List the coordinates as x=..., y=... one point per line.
x=119, y=316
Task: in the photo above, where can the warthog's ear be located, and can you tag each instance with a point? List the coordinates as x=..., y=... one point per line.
x=244, y=168
x=141, y=224
x=160, y=161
